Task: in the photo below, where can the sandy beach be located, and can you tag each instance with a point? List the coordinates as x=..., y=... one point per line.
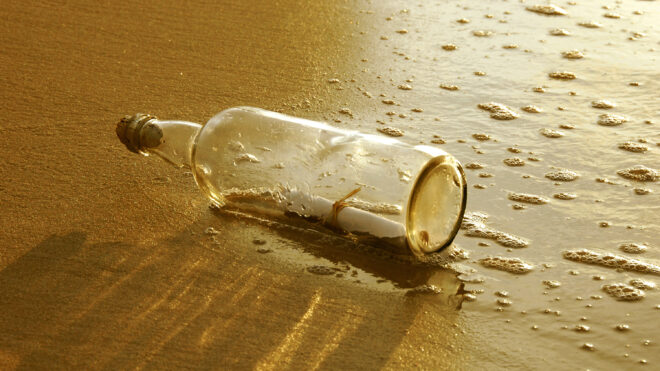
x=107, y=260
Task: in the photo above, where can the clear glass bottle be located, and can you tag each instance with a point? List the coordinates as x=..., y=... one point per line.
x=407, y=197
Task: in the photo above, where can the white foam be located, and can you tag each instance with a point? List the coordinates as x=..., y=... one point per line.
x=528, y=198
x=633, y=248
x=474, y=224
x=623, y=292
x=611, y=260
x=640, y=173
x=562, y=175
x=642, y=284
x=511, y=265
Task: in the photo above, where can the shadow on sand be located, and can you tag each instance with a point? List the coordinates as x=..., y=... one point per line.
x=188, y=302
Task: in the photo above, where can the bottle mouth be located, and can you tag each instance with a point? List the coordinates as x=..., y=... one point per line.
x=130, y=132
x=436, y=206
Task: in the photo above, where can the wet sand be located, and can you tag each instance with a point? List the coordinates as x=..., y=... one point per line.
x=106, y=260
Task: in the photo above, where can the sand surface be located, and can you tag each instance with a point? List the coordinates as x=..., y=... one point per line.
x=104, y=259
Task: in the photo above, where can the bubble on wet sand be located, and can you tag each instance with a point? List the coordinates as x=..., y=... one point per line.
x=622, y=327
x=514, y=161
x=510, y=46
x=640, y=173
x=402, y=31
x=455, y=253
x=588, y=346
x=405, y=87
x=551, y=284
x=581, y=328
x=504, y=302
x=606, y=181
x=623, y=292
x=547, y=9
x=479, y=73
x=321, y=270
x=482, y=33
x=498, y=111
x=246, y=157
x=636, y=36
x=562, y=175
x=633, y=147
x=538, y=89
x=603, y=104
x=612, y=15
x=642, y=191
x=346, y=111
x=528, y=198
x=511, y=265
x=474, y=166
x=551, y=133
x=481, y=136
x=480, y=186
x=559, y=32
x=572, y=54
x=642, y=284
x=564, y=196
x=463, y=20
x=532, y=109
x=449, y=47
x=610, y=260
x=476, y=279
x=610, y=119
x=333, y=81
x=474, y=224
x=393, y=132
x=514, y=150
x=562, y=75
x=449, y=87
x=590, y=24
x=389, y=102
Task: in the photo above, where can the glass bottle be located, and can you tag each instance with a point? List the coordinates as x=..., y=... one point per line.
x=410, y=198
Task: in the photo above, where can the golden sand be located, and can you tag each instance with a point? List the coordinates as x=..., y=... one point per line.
x=105, y=259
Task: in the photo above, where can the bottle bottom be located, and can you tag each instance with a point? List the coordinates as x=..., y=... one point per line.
x=436, y=206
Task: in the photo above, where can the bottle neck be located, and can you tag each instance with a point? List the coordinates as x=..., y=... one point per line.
x=177, y=139
x=169, y=139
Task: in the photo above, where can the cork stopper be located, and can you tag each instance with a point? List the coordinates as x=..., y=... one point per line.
x=139, y=132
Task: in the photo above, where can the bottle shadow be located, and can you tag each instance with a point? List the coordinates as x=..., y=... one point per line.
x=68, y=303
x=402, y=270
